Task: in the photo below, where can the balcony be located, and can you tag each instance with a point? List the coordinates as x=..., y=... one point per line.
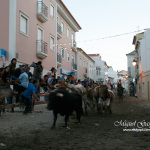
x=42, y=11
x=74, y=45
x=85, y=71
x=59, y=60
x=73, y=67
x=41, y=49
x=59, y=32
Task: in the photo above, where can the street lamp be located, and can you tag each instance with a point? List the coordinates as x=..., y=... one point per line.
x=126, y=76
x=134, y=62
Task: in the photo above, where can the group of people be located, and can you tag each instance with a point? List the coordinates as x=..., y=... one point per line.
x=25, y=84
x=118, y=88
x=23, y=81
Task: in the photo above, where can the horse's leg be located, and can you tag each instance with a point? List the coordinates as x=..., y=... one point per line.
x=55, y=118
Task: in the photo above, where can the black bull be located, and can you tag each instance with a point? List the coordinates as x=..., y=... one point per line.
x=64, y=103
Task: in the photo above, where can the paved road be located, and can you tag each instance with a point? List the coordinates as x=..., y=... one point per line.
x=32, y=132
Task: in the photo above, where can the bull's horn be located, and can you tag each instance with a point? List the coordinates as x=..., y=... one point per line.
x=56, y=86
x=96, y=88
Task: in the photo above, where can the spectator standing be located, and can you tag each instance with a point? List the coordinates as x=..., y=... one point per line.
x=37, y=73
x=43, y=82
x=72, y=78
x=53, y=72
x=12, y=67
x=52, y=83
x=23, y=82
x=62, y=77
x=27, y=96
x=17, y=73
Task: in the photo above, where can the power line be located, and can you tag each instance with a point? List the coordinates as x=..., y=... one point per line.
x=113, y=36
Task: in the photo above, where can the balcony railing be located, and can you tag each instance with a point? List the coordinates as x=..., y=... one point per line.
x=74, y=45
x=41, y=49
x=42, y=11
x=73, y=66
x=59, y=32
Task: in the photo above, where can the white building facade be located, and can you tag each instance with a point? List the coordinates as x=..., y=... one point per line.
x=101, y=68
x=143, y=66
x=112, y=74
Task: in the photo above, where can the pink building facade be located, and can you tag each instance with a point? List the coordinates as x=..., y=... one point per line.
x=41, y=30
x=85, y=65
x=34, y=30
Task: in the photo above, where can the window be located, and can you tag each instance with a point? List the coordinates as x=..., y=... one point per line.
x=52, y=43
x=39, y=33
x=98, y=71
x=62, y=27
x=73, y=59
x=80, y=62
x=40, y=44
x=62, y=52
x=68, y=56
x=24, y=24
x=52, y=10
x=73, y=40
x=68, y=33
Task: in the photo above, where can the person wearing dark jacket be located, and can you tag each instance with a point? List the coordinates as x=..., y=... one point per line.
x=37, y=73
x=12, y=67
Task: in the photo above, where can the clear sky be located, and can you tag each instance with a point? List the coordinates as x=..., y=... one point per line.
x=105, y=18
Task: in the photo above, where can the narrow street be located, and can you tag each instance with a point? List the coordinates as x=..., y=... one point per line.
x=32, y=132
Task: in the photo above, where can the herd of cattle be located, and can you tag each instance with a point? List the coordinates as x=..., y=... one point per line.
x=66, y=99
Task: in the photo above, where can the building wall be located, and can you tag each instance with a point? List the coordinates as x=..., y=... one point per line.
x=26, y=45
x=81, y=68
x=112, y=74
x=101, y=64
x=143, y=87
x=4, y=26
x=144, y=51
x=130, y=59
x=92, y=70
x=65, y=42
x=131, y=70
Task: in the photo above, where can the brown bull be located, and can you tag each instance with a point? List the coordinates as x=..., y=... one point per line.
x=104, y=99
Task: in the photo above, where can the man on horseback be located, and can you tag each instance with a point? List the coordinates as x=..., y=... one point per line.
x=120, y=90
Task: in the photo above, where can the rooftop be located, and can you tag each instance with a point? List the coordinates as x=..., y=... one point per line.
x=85, y=53
x=131, y=53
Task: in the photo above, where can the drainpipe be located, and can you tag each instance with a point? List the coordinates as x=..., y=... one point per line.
x=12, y=29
